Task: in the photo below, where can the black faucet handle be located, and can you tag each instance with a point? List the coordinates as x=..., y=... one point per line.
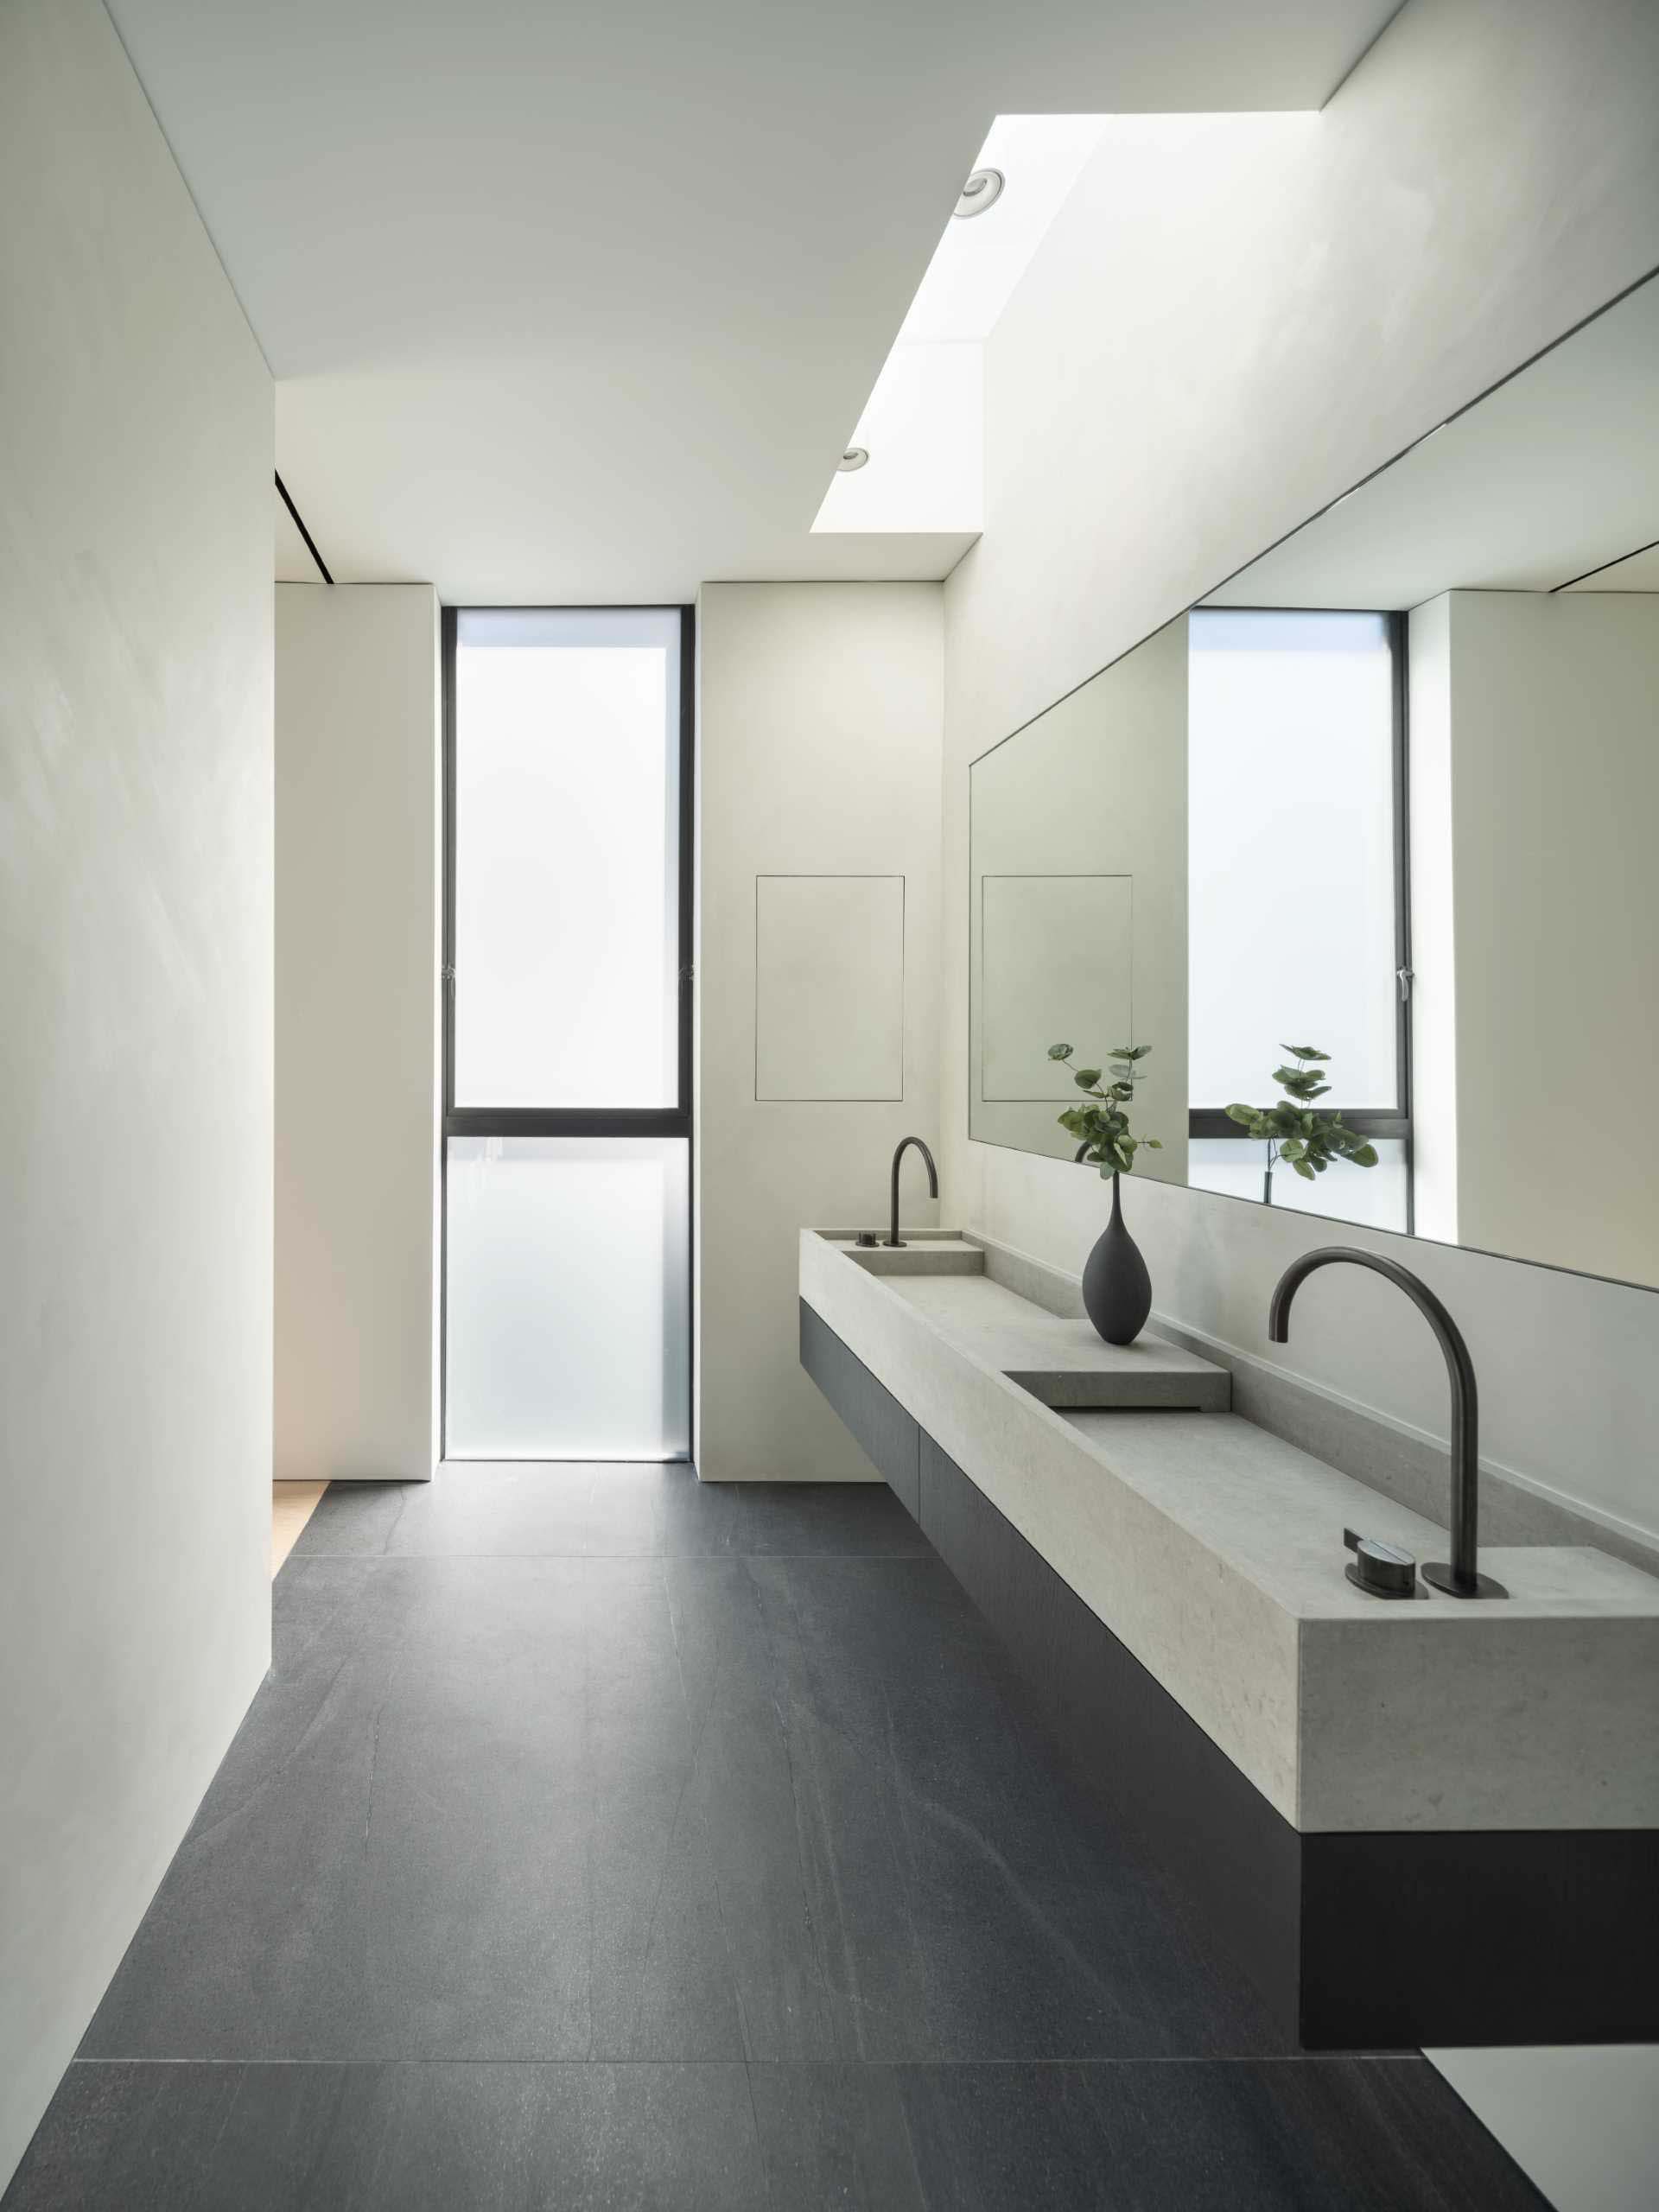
x=1380, y=1569
x=893, y=1239
x=1461, y=1579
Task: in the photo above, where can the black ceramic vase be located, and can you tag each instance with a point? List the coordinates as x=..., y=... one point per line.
x=1117, y=1288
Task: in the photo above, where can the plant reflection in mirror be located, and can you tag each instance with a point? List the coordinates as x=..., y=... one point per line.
x=1295, y=1130
x=1102, y=1126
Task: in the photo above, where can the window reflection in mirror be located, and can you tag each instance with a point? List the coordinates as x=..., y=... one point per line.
x=1295, y=888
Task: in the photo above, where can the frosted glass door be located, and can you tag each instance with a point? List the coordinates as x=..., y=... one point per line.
x=568, y=1314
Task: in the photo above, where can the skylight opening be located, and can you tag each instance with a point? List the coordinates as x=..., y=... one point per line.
x=923, y=425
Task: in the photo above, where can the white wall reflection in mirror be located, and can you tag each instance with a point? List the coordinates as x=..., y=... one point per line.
x=1078, y=932
x=1058, y=964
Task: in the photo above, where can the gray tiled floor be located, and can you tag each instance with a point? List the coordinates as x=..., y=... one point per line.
x=604, y=1839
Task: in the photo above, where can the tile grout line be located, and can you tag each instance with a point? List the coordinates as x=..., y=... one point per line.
x=417, y=1559
x=840, y=2065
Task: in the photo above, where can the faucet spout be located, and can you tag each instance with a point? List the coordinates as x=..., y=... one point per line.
x=1461, y=1579
x=893, y=1238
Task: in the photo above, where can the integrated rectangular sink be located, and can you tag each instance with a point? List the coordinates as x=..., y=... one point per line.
x=920, y=1254
x=1058, y=1357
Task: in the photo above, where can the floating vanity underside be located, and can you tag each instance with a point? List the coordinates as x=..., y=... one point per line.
x=1419, y=1823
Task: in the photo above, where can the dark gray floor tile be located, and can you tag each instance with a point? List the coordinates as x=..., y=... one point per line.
x=835, y=2136
x=456, y=1825
x=354, y=1520
x=905, y=1873
x=1038, y=1935
x=1320, y=2135
x=1309, y=2135
x=832, y=1519
x=736, y=1630
x=587, y=2138
x=537, y=1510
x=781, y=1520
x=510, y=1510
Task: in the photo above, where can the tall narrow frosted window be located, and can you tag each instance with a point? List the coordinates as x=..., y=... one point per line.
x=566, y=797
x=566, y=1125
x=1291, y=845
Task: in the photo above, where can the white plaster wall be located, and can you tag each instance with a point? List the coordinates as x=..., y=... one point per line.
x=358, y=768
x=136, y=455
x=1231, y=321
x=819, y=727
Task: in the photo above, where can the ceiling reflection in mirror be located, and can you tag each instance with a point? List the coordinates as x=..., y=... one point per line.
x=1361, y=849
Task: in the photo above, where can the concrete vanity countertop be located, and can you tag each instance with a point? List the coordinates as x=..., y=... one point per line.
x=1213, y=1551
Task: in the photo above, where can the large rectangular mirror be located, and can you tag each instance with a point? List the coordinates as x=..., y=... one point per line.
x=1390, y=795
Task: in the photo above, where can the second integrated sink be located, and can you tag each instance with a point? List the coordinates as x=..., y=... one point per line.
x=922, y=1254
x=1057, y=1356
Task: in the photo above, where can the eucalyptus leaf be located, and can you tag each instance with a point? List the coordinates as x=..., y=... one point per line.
x=1103, y=1123
x=1306, y=1137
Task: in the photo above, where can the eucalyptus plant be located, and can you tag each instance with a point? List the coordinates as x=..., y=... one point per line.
x=1102, y=1124
x=1297, y=1131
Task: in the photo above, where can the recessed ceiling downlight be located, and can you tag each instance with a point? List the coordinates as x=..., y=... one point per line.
x=983, y=190
x=855, y=457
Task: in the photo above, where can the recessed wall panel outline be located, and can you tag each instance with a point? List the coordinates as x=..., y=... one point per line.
x=828, y=988
x=1069, y=941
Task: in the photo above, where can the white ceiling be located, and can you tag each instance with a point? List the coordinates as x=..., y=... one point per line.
x=1550, y=477
x=578, y=302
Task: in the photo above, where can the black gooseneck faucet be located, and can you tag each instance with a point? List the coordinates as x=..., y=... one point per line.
x=1461, y=1579
x=893, y=1238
